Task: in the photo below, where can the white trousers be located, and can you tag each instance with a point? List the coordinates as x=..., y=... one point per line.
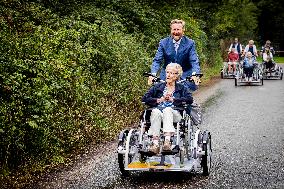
x=168, y=116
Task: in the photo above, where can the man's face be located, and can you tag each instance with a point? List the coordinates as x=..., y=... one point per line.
x=177, y=31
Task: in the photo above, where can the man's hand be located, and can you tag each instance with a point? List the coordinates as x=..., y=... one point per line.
x=196, y=80
x=150, y=80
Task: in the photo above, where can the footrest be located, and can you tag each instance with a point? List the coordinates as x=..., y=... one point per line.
x=147, y=153
x=174, y=151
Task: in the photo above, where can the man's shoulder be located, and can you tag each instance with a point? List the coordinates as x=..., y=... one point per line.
x=187, y=39
x=166, y=39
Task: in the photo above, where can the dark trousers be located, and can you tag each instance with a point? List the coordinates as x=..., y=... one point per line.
x=248, y=71
x=269, y=64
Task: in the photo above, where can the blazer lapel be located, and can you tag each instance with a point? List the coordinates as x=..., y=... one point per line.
x=180, y=48
x=171, y=44
x=171, y=49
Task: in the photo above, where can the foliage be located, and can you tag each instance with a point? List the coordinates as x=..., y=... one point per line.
x=65, y=82
x=270, y=23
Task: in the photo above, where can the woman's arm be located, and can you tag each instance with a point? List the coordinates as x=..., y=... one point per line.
x=184, y=98
x=149, y=97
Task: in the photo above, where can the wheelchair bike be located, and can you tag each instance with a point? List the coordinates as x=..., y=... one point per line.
x=272, y=73
x=191, y=147
x=225, y=74
x=242, y=79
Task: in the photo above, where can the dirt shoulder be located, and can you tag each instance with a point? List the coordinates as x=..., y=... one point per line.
x=206, y=90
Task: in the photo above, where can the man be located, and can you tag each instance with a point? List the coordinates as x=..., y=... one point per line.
x=250, y=48
x=236, y=45
x=268, y=46
x=179, y=49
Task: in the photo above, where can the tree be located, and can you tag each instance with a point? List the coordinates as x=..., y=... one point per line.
x=271, y=21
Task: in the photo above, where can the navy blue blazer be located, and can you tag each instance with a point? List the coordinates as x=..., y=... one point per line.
x=181, y=94
x=186, y=56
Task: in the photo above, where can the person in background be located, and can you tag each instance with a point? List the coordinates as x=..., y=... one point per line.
x=164, y=96
x=249, y=64
x=250, y=48
x=236, y=45
x=233, y=57
x=267, y=45
x=267, y=57
x=180, y=49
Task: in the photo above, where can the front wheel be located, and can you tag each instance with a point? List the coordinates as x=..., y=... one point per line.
x=181, y=156
x=126, y=140
x=121, y=165
x=206, y=158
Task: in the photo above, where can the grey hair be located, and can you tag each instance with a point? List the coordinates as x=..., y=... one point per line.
x=176, y=66
x=177, y=21
x=248, y=53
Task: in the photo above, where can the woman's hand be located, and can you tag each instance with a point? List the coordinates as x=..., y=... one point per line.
x=169, y=97
x=162, y=99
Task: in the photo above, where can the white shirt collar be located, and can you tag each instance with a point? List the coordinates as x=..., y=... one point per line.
x=178, y=42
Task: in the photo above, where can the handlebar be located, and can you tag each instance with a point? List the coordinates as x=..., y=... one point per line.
x=155, y=78
x=174, y=107
x=158, y=80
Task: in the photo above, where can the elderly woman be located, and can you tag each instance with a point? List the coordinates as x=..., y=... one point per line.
x=165, y=96
x=233, y=57
x=267, y=57
x=249, y=64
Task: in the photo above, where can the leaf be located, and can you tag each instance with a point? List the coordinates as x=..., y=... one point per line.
x=33, y=124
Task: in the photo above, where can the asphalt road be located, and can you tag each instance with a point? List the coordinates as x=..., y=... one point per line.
x=247, y=127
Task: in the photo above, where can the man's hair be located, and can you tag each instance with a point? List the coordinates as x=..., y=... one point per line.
x=176, y=66
x=249, y=53
x=177, y=21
